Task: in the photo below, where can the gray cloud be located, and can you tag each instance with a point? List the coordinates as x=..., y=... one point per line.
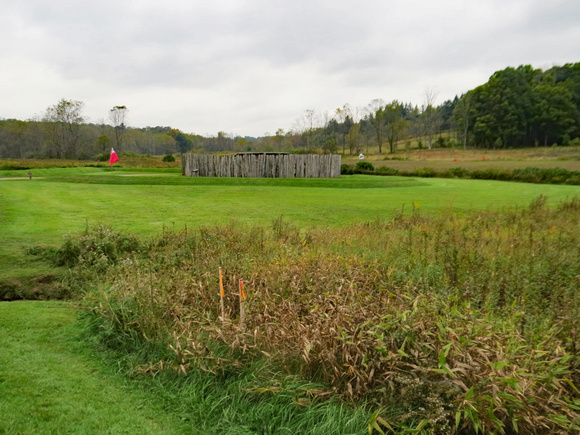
x=253, y=66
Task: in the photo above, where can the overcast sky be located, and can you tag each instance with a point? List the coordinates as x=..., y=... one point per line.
x=250, y=67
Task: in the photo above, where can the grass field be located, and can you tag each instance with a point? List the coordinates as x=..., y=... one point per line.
x=152, y=201
x=53, y=381
x=40, y=211
x=64, y=388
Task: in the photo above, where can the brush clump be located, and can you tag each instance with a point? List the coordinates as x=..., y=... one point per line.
x=449, y=323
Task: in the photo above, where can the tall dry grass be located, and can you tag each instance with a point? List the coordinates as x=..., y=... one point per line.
x=451, y=324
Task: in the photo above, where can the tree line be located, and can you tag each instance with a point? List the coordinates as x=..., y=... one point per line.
x=63, y=133
x=517, y=107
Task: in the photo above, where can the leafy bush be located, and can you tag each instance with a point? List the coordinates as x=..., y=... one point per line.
x=347, y=169
x=96, y=248
x=546, y=175
x=102, y=157
x=13, y=166
x=168, y=158
x=385, y=170
x=423, y=172
x=526, y=175
x=365, y=166
x=458, y=172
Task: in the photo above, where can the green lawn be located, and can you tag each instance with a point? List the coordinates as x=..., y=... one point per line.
x=50, y=382
x=39, y=212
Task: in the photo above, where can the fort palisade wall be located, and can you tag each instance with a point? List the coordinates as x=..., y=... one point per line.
x=261, y=165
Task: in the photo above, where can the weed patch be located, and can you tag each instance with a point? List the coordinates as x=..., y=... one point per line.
x=443, y=323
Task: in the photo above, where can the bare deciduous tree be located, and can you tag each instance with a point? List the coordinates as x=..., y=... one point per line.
x=462, y=114
x=376, y=110
x=430, y=119
x=118, y=117
x=306, y=126
x=344, y=117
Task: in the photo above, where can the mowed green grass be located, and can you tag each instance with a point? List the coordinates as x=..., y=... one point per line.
x=50, y=382
x=144, y=201
x=53, y=381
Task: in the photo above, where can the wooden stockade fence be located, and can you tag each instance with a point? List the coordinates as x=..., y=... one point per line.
x=261, y=165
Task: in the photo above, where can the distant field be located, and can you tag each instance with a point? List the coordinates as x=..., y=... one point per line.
x=40, y=212
x=407, y=165
x=560, y=157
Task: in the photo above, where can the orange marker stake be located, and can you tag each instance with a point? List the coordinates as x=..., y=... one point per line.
x=242, y=310
x=222, y=295
x=242, y=294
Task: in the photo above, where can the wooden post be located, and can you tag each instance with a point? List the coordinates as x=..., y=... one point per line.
x=222, y=296
x=242, y=301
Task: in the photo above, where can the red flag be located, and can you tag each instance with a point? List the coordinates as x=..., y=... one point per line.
x=114, y=158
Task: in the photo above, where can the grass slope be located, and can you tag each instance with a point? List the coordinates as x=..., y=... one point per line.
x=51, y=383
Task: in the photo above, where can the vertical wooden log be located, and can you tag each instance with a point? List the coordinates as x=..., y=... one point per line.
x=284, y=166
x=262, y=168
x=299, y=165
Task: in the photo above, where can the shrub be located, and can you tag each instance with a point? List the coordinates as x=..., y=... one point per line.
x=385, y=170
x=545, y=175
x=347, y=169
x=102, y=157
x=96, y=248
x=458, y=172
x=365, y=166
x=168, y=158
x=424, y=172
x=14, y=167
